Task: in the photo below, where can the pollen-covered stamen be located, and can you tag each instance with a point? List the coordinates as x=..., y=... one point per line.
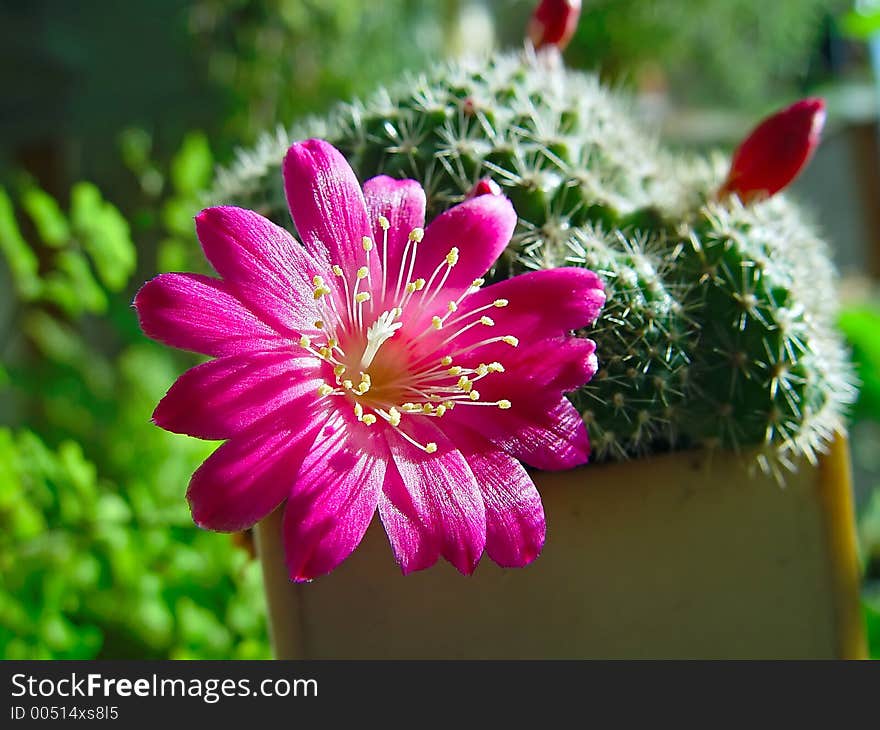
x=384, y=225
x=412, y=243
x=446, y=266
x=323, y=352
x=433, y=386
x=485, y=321
x=497, y=304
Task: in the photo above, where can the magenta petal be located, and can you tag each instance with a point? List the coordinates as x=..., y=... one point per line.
x=515, y=525
x=201, y=314
x=480, y=228
x=555, y=442
x=541, y=304
x=444, y=490
x=269, y=271
x=220, y=398
x=407, y=518
x=548, y=435
x=333, y=499
x=532, y=374
x=250, y=475
x=326, y=204
x=402, y=203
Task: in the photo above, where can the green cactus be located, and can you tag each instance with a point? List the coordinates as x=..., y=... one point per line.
x=719, y=326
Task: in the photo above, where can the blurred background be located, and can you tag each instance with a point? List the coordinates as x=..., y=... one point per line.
x=112, y=120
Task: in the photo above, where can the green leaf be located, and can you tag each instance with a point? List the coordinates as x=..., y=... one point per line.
x=73, y=286
x=869, y=527
x=104, y=234
x=172, y=255
x=872, y=624
x=134, y=146
x=861, y=326
x=47, y=216
x=192, y=167
x=22, y=261
x=860, y=25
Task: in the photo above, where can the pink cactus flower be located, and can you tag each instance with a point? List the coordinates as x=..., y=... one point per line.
x=553, y=23
x=368, y=369
x=776, y=151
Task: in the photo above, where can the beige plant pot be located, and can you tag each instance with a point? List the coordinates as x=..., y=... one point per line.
x=686, y=555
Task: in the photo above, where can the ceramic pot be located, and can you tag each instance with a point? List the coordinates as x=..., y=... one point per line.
x=688, y=555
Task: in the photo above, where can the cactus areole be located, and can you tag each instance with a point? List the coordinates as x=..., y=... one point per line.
x=718, y=328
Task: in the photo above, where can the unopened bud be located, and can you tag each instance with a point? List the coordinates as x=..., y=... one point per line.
x=776, y=151
x=553, y=23
x=486, y=186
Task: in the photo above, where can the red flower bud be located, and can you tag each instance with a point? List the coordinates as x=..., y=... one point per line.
x=486, y=186
x=776, y=151
x=553, y=23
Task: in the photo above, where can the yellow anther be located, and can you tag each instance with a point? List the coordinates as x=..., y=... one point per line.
x=397, y=311
x=337, y=269
x=347, y=384
x=482, y=369
x=510, y=340
x=440, y=410
x=488, y=321
x=319, y=325
x=339, y=370
x=427, y=408
x=320, y=291
x=362, y=388
x=369, y=419
x=325, y=352
x=474, y=395
x=450, y=404
x=436, y=322
x=411, y=287
x=317, y=281
x=324, y=389
x=446, y=360
x=383, y=223
x=416, y=235
x=500, y=303
x=393, y=416
x=358, y=410
x=477, y=283
x=504, y=404
x=452, y=256
x=332, y=342
x=431, y=447
x=363, y=272
x=496, y=367
x=452, y=306
x=367, y=243
x=420, y=284
x=305, y=341
x=464, y=384
x=362, y=297
x=365, y=378
x=411, y=408
x=454, y=370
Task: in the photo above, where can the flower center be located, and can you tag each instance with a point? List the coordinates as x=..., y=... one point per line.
x=390, y=358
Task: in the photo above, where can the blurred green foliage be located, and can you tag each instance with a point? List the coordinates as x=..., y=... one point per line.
x=861, y=325
x=279, y=59
x=98, y=553
x=734, y=53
